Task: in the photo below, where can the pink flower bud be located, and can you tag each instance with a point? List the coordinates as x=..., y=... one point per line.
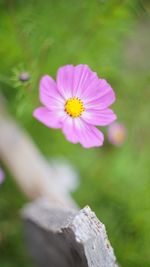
x=24, y=76
x=117, y=134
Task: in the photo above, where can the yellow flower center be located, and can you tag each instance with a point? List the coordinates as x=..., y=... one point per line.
x=74, y=107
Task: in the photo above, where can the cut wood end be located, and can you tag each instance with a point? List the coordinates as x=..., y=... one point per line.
x=62, y=237
x=92, y=234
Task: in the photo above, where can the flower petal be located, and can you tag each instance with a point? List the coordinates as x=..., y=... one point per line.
x=100, y=98
x=69, y=130
x=83, y=76
x=87, y=135
x=50, y=118
x=65, y=81
x=49, y=95
x=99, y=117
x=72, y=80
x=98, y=95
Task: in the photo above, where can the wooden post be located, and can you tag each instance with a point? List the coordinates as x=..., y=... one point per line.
x=61, y=237
x=28, y=166
x=57, y=233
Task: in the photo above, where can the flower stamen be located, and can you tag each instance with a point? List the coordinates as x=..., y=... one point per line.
x=74, y=107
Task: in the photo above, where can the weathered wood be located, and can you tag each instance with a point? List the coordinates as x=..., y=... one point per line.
x=30, y=169
x=59, y=237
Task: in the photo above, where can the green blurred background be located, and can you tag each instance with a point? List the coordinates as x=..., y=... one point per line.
x=113, y=38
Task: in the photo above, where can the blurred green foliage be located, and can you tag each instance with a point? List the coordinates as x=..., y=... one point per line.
x=113, y=38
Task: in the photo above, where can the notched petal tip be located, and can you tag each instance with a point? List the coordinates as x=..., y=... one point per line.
x=49, y=118
x=90, y=136
x=37, y=112
x=92, y=146
x=46, y=82
x=44, y=79
x=113, y=118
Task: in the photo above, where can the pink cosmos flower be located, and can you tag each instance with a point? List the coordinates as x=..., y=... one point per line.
x=117, y=133
x=77, y=102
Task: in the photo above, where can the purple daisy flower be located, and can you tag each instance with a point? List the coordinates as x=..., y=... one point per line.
x=77, y=102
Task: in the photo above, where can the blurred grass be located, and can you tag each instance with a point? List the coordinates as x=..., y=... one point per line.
x=113, y=38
